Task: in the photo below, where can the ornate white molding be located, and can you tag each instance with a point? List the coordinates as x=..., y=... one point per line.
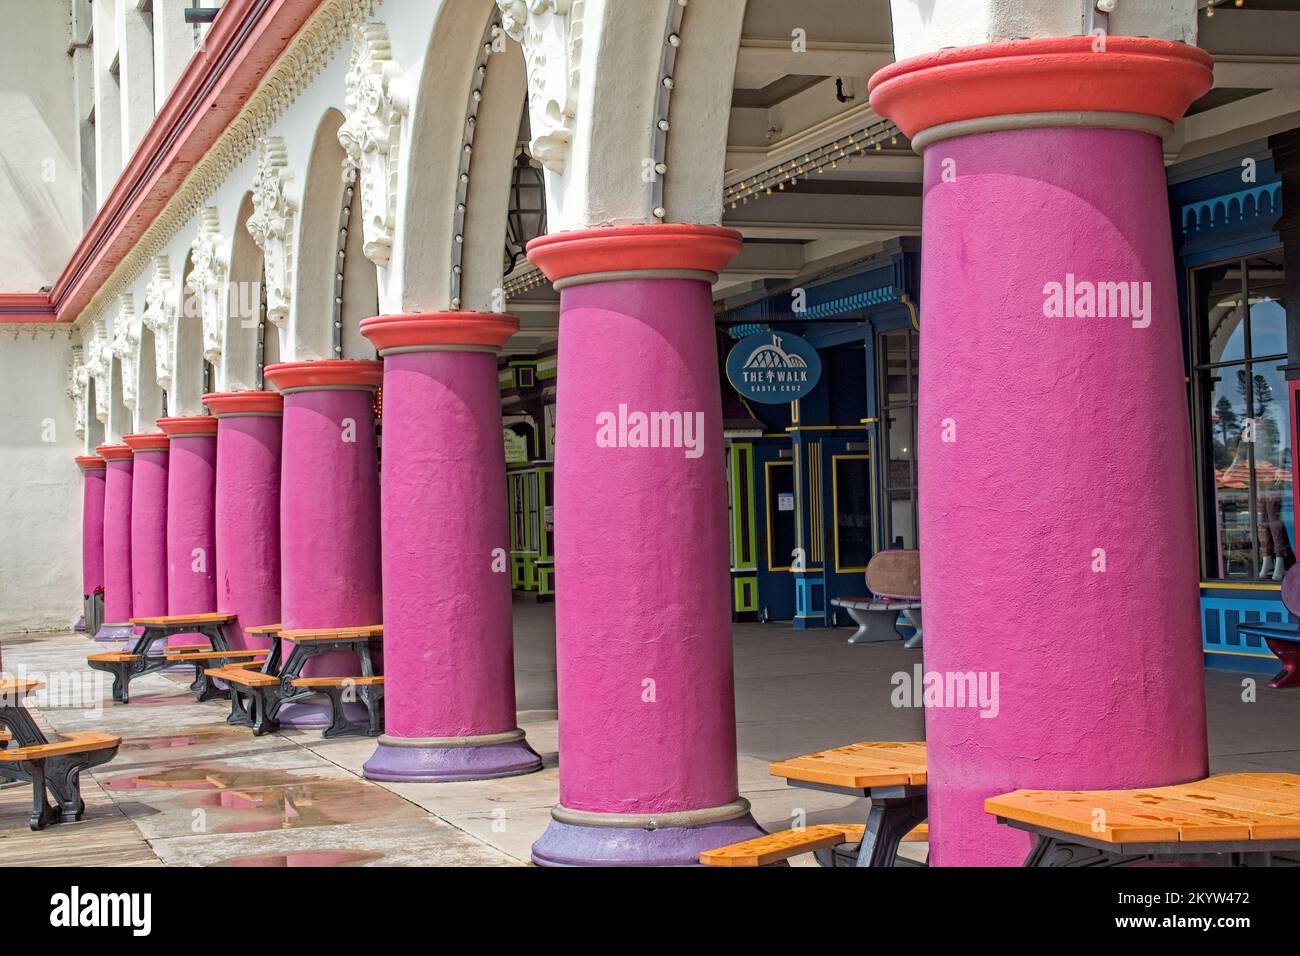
x=375, y=106
x=99, y=360
x=160, y=318
x=307, y=54
x=126, y=347
x=550, y=31
x=272, y=225
x=206, y=283
x=78, y=383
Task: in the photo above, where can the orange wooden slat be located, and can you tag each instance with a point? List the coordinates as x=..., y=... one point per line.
x=74, y=743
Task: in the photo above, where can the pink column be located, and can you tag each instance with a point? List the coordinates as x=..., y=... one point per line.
x=148, y=525
x=248, y=509
x=191, y=530
x=643, y=631
x=1058, y=526
x=93, y=471
x=329, y=508
x=117, y=543
x=449, y=693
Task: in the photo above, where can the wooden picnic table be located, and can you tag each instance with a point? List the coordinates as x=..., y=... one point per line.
x=1243, y=819
x=891, y=774
x=125, y=666
x=279, y=680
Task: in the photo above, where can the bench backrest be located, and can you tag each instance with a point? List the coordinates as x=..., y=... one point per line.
x=895, y=574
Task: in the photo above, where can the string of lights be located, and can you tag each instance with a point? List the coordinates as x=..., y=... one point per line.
x=814, y=161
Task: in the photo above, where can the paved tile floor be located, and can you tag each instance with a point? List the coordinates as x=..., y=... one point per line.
x=187, y=789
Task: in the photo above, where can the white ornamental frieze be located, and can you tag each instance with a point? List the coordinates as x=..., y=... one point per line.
x=205, y=285
x=78, y=384
x=272, y=225
x=550, y=32
x=98, y=360
x=375, y=107
x=160, y=318
x=126, y=347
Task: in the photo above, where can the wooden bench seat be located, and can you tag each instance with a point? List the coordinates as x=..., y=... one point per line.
x=263, y=629
x=243, y=676
x=115, y=657
x=72, y=743
x=304, y=634
x=210, y=655
x=16, y=689
x=781, y=846
x=358, y=681
x=56, y=766
x=1249, y=816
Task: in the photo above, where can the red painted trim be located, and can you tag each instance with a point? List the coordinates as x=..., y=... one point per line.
x=330, y=373
x=244, y=41
x=147, y=442
x=1057, y=74
x=483, y=329
x=26, y=307
x=222, y=404
x=634, y=248
x=188, y=425
x=114, y=452
x=90, y=463
x=1294, y=388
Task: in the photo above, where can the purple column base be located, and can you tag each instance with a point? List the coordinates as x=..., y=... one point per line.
x=448, y=764
x=313, y=714
x=80, y=626
x=115, y=632
x=564, y=844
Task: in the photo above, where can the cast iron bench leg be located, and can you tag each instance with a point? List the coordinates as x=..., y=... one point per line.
x=374, y=698
x=63, y=777
x=890, y=819
x=239, y=714
x=263, y=721
x=874, y=627
x=42, y=813
x=1053, y=852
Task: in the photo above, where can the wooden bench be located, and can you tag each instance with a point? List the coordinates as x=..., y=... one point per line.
x=47, y=765
x=776, y=848
x=1283, y=639
x=1238, y=819
x=891, y=774
x=205, y=689
x=142, y=658
x=894, y=580
x=251, y=696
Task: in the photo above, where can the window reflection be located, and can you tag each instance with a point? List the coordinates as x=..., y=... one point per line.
x=1245, y=417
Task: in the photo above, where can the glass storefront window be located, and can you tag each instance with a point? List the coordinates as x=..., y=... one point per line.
x=899, y=359
x=1243, y=419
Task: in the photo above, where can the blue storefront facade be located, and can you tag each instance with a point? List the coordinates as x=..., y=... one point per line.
x=833, y=475
x=830, y=480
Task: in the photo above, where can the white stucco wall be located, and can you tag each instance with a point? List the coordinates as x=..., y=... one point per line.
x=40, y=484
x=40, y=185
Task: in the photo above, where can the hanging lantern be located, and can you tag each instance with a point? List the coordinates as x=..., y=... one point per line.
x=527, y=217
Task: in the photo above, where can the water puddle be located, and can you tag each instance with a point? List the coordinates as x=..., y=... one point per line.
x=304, y=858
